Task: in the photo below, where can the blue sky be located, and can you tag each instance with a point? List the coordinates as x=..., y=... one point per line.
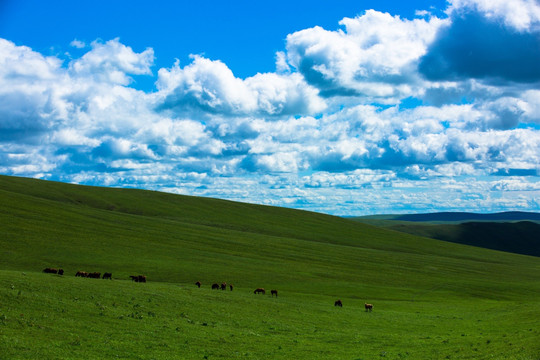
x=343, y=107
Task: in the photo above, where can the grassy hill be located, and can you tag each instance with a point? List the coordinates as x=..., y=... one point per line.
x=515, y=232
x=521, y=237
x=432, y=299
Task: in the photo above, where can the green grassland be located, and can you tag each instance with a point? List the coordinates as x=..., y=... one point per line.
x=432, y=299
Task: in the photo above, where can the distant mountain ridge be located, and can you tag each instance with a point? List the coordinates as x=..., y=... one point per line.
x=511, y=231
x=522, y=237
x=465, y=216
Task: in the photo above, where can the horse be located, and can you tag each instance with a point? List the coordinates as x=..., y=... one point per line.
x=198, y=283
x=338, y=303
x=81, y=274
x=231, y=286
x=369, y=307
x=223, y=285
x=94, y=275
x=259, y=290
x=273, y=292
x=107, y=276
x=215, y=286
x=60, y=271
x=138, y=278
x=50, y=271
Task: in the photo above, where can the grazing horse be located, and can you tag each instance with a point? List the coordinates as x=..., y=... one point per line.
x=60, y=271
x=138, y=278
x=259, y=290
x=94, y=275
x=223, y=286
x=368, y=307
x=231, y=286
x=81, y=274
x=198, y=283
x=273, y=292
x=338, y=303
x=50, y=271
x=107, y=276
x=215, y=286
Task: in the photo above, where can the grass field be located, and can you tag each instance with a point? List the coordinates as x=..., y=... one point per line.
x=432, y=299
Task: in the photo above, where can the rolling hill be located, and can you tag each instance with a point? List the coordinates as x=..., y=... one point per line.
x=430, y=297
x=516, y=232
x=521, y=237
x=506, y=216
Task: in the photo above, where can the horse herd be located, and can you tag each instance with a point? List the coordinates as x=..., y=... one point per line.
x=142, y=279
x=93, y=275
x=223, y=286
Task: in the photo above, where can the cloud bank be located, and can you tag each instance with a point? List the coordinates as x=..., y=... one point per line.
x=385, y=114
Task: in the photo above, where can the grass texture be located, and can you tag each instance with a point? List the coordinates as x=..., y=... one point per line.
x=432, y=299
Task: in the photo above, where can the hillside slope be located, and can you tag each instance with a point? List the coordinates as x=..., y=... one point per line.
x=431, y=297
x=180, y=238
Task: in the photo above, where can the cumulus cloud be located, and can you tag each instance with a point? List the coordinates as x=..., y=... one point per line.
x=522, y=15
x=374, y=56
x=384, y=115
x=497, y=40
x=28, y=102
x=112, y=62
x=210, y=86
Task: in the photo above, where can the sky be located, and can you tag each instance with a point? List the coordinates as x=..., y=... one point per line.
x=342, y=107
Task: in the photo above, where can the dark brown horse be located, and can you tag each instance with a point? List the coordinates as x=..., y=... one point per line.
x=338, y=303
x=231, y=287
x=369, y=307
x=273, y=292
x=107, y=276
x=138, y=278
x=50, y=271
x=223, y=286
x=81, y=274
x=94, y=275
x=215, y=286
x=198, y=283
x=259, y=290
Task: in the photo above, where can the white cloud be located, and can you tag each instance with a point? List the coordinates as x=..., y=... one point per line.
x=273, y=138
x=211, y=86
x=531, y=105
x=112, y=62
x=375, y=56
x=520, y=14
x=77, y=44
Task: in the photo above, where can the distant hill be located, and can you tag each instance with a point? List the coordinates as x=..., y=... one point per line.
x=454, y=217
x=514, y=231
x=521, y=237
x=465, y=216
